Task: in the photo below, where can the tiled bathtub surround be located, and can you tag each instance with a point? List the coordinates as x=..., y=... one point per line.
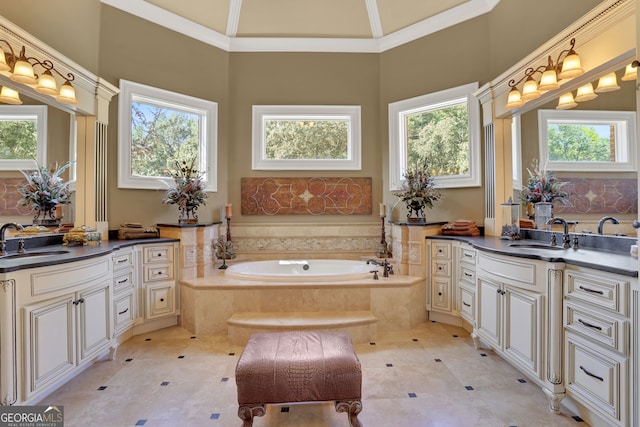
x=427, y=377
x=306, y=196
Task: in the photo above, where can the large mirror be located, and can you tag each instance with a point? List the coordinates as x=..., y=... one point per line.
x=593, y=194
x=58, y=129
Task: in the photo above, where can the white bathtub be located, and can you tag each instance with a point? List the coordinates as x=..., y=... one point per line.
x=317, y=270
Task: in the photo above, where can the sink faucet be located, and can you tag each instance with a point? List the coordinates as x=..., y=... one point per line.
x=566, y=240
x=605, y=219
x=3, y=230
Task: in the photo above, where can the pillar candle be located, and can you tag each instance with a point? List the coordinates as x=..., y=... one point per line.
x=383, y=209
x=227, y=211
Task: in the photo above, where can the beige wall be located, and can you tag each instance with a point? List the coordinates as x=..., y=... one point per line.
x=116, y=45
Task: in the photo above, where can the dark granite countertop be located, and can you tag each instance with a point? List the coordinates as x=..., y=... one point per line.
x=76, y=252
x=612, y=261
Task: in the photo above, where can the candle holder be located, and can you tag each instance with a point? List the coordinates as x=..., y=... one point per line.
x=224, y=248
x=383, y=247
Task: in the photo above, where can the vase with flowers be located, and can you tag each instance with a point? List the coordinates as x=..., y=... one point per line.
x=44, y=191
x=418, y=191
x=187, y=191
x=542, y=187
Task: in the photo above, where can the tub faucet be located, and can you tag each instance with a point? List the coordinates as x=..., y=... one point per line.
x=3, y=230
x=566, y=240
x=387, y=268
x=605, y=219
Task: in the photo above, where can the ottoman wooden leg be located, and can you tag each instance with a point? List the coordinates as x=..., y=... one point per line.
x=246, y=413
x=352, y=408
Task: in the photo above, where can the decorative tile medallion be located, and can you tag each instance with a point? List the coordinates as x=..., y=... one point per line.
x=306, y=196
x=9, y=197
x=599, y=196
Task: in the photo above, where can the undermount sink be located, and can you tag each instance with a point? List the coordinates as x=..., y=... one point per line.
x=34, y=254
x=531, y=245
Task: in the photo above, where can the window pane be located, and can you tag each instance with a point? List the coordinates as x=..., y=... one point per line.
x=160, y=137
x=581, y=142
x=19, y=138
x=306, y=139
x=441, y=136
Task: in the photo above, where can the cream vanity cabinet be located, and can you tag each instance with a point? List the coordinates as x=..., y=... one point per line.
x=510, y=309
x=597, y=342
x=66, y=322
x=158, y=299
x=441, y=277
x=467, y=282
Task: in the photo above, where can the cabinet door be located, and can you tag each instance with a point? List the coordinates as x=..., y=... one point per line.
x=50, y=343
x=489, y=319
x=95, y=323
x=441, y=293
x=522, y=327
x=160, y=299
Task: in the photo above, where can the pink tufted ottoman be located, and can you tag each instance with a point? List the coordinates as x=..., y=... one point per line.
x=283, y=367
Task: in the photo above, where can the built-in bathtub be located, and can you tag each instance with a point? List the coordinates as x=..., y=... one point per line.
x=317, y=270
x=341, y=295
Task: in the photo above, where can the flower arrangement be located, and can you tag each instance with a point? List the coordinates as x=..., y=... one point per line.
x=542, y=186
x=45, y=189
x=187, y=191
x=418, y=190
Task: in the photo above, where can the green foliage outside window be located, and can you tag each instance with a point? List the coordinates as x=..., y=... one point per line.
x=161, y=138
x=310, y=139
x=579, y=143
x=442, y=137
x=18, y=139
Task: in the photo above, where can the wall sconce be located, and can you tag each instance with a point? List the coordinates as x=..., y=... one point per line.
x=567, y=66
x=19, y=68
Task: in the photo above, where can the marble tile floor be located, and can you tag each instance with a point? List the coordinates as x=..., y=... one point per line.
x=431, y=376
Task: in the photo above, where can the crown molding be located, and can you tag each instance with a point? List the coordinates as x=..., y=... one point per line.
x=159, y=16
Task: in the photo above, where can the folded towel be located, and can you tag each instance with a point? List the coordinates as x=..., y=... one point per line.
x=473, y=233
x=131, y=225
x=127, y=235
x=527, y=223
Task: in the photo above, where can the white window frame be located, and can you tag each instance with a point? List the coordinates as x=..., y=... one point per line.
x=262, y=113
x=625, y=129
x=516, y=152
x=208, y=146
x=27, y=112
x=398, y=134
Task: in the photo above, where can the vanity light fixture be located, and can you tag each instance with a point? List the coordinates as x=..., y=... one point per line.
x=585, y=93
x=9, y=96
x=630, y=73
x=19, y=68
x=566, y=102
x=608, y=83
x=566, y=66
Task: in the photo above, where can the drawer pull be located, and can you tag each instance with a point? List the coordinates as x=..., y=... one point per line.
x=464, y=303
x=468, y=255
x=593, y=291
x=123, y=281
x=468, y=274
x=591, y=375
x=589, y=325
x=120, y=261
x=123, y=311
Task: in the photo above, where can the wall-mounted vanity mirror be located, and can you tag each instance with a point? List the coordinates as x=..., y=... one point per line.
x=51, y=135
x=598, y=162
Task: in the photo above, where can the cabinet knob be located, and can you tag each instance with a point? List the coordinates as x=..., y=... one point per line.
x=161, y=299
x=439, y=294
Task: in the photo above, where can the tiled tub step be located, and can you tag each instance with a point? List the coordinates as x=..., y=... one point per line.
x=361, y=325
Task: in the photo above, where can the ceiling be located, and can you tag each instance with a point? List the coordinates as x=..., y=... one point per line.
x=305, y=25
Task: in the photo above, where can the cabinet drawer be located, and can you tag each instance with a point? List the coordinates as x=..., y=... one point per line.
x=597, y=326
x=440, y=267
x=596, y=377
x=467, y=255
x=154, y=273
x=163, y=253
x=510, y=270
x=122, y=260
x=160, y=299
x=441, y=250
x=122, y=281
x=467, y=275
x=123, y=309
x=603, y=291
x=467, y=304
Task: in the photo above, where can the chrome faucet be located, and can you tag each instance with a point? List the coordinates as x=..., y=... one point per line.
x=566, y=240
x=605, y=219
x=3, y=230
x=387, y=268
